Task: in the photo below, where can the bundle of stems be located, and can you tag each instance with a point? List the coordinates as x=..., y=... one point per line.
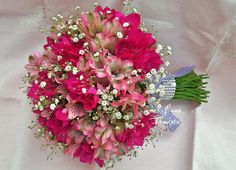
x=192, y=87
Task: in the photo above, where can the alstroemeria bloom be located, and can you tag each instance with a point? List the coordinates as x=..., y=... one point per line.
x=84, y=126
x=134, y=100
x=35, y=62
x=101, y=33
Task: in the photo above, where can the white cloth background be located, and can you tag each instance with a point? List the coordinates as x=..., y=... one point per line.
x=201, y=32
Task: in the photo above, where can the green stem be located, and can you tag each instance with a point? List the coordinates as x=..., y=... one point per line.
x=192, y=87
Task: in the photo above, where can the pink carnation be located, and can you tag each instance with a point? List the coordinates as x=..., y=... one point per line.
x=58, y=127
x=75, y=83
x=66, y=49
x=84, y=152
x=139, y=48
x=89, y=99
x=80, y=90
x=136, y=136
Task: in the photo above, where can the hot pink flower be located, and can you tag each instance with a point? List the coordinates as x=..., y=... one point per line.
x=80, y=90
x=50, y=42
x=110, y=14
x=133, y=21
x=89, y=99
x=140, y=131
x=75, y=83
x=58, y=127
x=85, y=153
x=33, y=91
x=66, y=48
x=99, y=162
x=42, y=121
x=139, y=48
x=61, y=114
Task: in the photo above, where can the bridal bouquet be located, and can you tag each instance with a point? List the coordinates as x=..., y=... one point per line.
x=97, y=89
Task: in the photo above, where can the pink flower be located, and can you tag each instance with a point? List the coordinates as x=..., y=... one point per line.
x=110, y=14
x=74, y=110
x=99, y=162
x=91, y=24
x=84, y=126
x=58, y=127
x=101, y=30
x=84, y=152
x=50, y=42
x=75, y=83
x=140, y=131
x=33, y=91
x=139, y=48
x=66, y=48
x=134, y=100
x=110, y=72
x=35, y=62
x=89, y=99
x=61, y=114
x=80, y=90
x=42, y=121
x=103, y=135
x=132, y=20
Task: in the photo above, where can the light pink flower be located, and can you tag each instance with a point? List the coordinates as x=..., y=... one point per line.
x=134, y=100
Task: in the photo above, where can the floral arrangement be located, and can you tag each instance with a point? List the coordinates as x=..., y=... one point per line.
x=97, y=88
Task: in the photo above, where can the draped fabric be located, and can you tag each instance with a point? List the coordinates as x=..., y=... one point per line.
x=200, y=32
